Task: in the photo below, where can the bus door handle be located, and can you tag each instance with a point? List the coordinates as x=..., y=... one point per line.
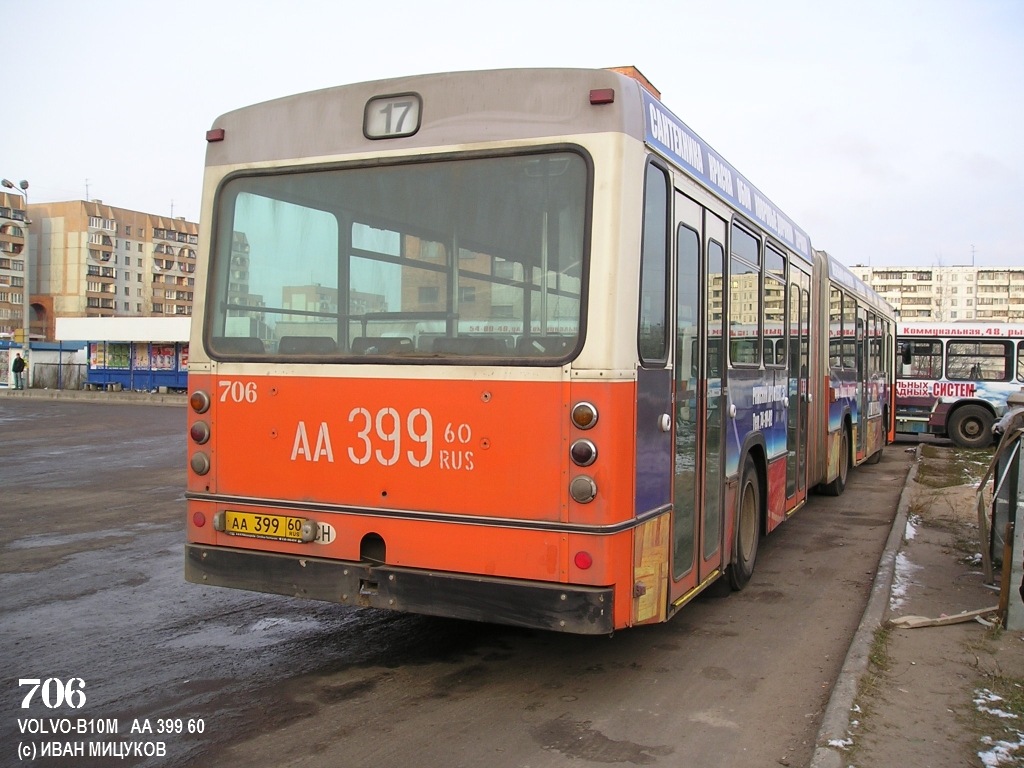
x=665, y=423
x=732, y=410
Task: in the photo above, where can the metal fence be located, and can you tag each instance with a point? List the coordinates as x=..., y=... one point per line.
x=1007, y=528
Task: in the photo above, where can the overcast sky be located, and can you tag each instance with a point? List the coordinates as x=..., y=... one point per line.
x=891, y=131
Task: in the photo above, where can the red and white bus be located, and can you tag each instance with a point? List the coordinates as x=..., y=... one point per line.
x=512, y=346
x=953, y=378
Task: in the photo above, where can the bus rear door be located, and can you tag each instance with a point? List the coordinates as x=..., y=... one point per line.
x=696, y=541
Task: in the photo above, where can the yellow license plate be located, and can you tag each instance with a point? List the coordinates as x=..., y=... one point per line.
x=276, y=527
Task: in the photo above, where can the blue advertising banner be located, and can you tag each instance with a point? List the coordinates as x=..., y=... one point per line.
x=672, y=138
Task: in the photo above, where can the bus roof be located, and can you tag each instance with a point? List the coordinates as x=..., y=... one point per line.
x=840, y=273
x=458, y=108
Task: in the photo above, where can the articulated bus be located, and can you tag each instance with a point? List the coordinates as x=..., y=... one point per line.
x=953, y=379
x=509, y=346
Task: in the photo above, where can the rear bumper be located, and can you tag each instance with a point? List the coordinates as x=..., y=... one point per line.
x=537, y=605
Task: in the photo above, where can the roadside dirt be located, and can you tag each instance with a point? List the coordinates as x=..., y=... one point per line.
x=946, y=695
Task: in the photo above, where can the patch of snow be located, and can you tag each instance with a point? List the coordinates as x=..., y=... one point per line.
x=902, y=578
x=1001, y=752
x=985, y=697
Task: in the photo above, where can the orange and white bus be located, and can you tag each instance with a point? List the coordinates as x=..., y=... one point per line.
x=511, y=346
x=953, y=378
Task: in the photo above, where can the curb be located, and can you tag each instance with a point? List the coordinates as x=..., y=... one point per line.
x=97, y=396
x=835, y=725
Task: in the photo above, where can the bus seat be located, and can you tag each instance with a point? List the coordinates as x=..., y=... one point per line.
x=381, y=345
x=306, y=345
x=237, y=345
x=471, y=345
x=554, y=346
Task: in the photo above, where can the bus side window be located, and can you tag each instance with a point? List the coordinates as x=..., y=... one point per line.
x=835, y=357
x=921, y=360
x=744, y=351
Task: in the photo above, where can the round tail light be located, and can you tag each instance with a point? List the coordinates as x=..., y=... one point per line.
x=583, y=453
x=583, y=489
x=584, y=415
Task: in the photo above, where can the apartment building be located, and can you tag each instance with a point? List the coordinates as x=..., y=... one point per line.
x=13, y=266
x=95, y=260
x=952, y=294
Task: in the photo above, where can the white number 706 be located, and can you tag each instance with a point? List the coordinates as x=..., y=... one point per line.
x=238, y=391
x=54, y=692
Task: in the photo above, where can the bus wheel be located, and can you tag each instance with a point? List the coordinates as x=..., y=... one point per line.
x=837, y=486
x=748, y=527
x=970, y=426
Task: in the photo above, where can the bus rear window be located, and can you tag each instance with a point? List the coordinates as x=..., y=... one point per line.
x=472, y=260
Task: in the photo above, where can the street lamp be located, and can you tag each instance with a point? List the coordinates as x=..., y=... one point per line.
x=23, y=188
x=10, y=184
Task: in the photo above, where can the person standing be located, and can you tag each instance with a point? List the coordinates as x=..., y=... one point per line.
x=18, y=368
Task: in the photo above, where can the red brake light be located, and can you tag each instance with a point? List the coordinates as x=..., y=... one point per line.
x=200, y=432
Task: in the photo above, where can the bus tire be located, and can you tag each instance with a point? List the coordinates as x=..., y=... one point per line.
x=748, y=526
x=838, y=485
x=970, y=426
